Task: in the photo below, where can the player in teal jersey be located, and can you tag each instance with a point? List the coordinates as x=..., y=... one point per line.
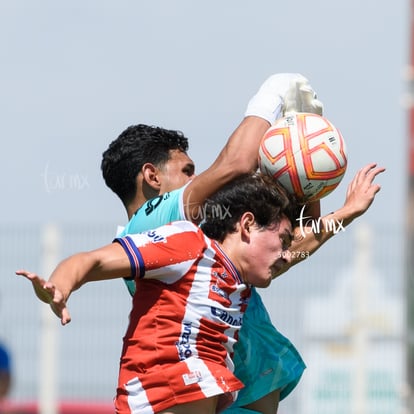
x=145, y=165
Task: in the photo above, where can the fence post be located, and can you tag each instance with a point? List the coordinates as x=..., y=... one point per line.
x=360, y=335
x=48, y=366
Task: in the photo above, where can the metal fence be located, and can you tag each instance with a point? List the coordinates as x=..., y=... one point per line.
x=343, y=308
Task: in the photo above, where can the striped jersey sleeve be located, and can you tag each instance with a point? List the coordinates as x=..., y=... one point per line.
x=164, y=253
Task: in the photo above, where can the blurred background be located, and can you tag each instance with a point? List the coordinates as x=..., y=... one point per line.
x=74, y=75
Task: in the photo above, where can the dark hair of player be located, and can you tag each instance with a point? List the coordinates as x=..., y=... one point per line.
x=137, y=145
x=257, y=193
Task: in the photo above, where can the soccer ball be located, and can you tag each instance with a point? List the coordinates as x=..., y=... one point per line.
x=305, y=153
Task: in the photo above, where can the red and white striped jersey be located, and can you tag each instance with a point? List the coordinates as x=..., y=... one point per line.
x=187, y=311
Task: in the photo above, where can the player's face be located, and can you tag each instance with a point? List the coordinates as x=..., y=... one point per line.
x=267, y=252
x=177, y=171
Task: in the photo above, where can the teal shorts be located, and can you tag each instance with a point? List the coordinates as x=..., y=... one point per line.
x=264, y=359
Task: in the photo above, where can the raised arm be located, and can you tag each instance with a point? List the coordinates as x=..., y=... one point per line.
x=311, y=234
x=279, y=93
x=108, y=262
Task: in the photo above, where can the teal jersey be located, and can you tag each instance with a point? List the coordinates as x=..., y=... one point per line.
x=154, y=213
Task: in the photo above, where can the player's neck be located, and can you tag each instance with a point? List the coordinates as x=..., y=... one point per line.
x=143, y=194
x=134, y=205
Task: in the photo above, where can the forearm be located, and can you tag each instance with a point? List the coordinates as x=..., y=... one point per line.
x=239, y=156
x=243, y=145
x=108, y=262
x=72, y=273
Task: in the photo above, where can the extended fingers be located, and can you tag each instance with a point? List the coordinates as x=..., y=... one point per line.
x=373, y=172
x=362, y=174
x=47, y=292
x=363, y=180
x=27, y=274
x=35, y=278
x=65, y=318
x=366, y=175
x=369, y=177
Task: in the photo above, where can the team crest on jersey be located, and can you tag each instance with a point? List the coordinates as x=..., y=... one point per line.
x=223, y=275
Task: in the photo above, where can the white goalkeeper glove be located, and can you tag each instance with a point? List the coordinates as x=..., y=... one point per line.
x=282, y=93
x=302, y=98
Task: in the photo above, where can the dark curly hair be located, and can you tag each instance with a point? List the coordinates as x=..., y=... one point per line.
x=258, y=193
x=137, y=145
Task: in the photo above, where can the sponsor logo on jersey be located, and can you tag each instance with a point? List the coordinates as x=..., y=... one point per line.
x=183, y=345
x=155, y=237
x=152, y=205
x=226, y=317
x=216, y=289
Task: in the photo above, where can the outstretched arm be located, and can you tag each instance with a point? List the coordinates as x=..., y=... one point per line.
x=279, y=93
x=311, y=234
x=108, y=262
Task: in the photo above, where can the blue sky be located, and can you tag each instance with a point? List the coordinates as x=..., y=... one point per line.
x=75, y=74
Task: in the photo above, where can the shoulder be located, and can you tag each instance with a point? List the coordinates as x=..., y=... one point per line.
x=174, y=230
x=176, y=244
x=157, y=212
